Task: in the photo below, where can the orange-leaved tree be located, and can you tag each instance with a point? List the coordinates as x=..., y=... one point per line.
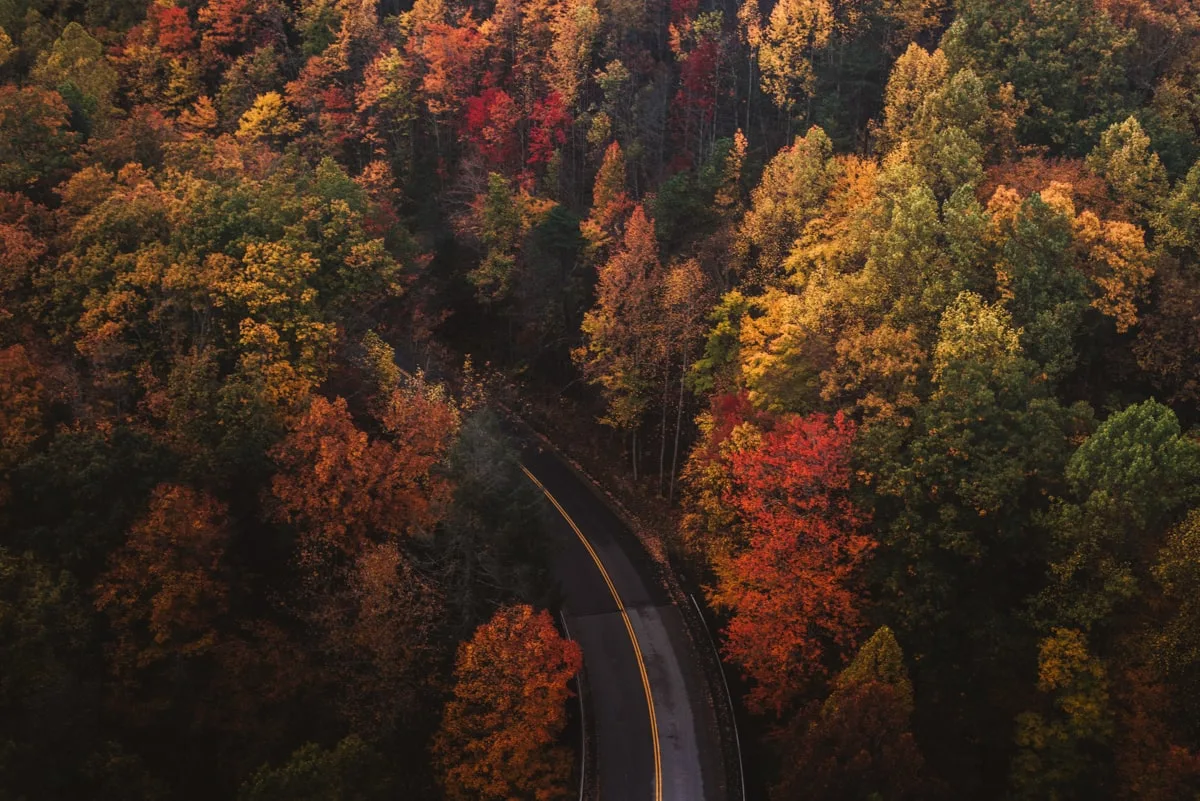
x=610, y=204
x=341, y=488
x=499, y=735
x=791, y=592
x=622, y=330
x=20, y=406
x=165, y=588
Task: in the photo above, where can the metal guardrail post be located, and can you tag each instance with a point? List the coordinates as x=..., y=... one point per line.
x=728, y=695
x=583, y=763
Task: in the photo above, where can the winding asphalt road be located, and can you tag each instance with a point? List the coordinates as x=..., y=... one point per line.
x=654, y=731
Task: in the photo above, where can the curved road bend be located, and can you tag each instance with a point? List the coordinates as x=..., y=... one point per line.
x=688, y=766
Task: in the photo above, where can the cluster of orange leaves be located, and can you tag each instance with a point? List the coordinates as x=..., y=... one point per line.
x=792, y=589
x=340, y=487
x=499, y=735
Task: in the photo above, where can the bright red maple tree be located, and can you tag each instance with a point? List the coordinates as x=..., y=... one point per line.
x=174, y=30
x=792, y=591
x=491, y=125
x=550, y=121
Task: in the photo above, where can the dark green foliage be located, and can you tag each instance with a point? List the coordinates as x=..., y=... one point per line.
x=72, y=503
x=489, y=544
x=1066, y=59
x=47, y=689
x=683, y=206
x=350, y=771
x=1127, y=482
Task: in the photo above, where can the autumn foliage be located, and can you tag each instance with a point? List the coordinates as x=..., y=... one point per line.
x=341, y=488
x=792, y=593
x=165, y=589
x=892, y=305
x=499, y=735
x=858, y=742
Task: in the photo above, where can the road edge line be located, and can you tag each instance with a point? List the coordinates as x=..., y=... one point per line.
x=582, y=714
x=637, y=648
x=666, y=577
x=737, y=737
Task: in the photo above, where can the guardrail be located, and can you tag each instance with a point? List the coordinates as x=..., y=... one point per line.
x=728, y=696
x=583, y=733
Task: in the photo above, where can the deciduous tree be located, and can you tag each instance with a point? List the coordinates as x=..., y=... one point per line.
x=575, y=26
x=610, y=202
x=35, y=144
x=1125, y=159
x=75, y=66
x=269, y=119
x=788, y=196
x=499, y=734
x=1062, y=750
x=1176, y=644
x=858, y=743
x=620, y=331
x=1048, y=51
x=350, y=770
x=166, y=589
x=793, y=593
x=795, y=31
x=377, y=624
x=342, y=489
x=20, y=407
x=1128, y=481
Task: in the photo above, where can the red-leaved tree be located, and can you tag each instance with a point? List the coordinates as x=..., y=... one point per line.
x=550, y=121
x=491, y=125
x=791, y=592
x=173, y=28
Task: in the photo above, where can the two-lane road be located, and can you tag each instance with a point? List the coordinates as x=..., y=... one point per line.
x=654, y=730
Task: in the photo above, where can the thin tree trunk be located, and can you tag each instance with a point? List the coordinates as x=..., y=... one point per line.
x=749, y=87
x=635, y=459
x=678, y=423
x=662, y=428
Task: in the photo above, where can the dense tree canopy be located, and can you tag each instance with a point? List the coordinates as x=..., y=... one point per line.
x=886, y=312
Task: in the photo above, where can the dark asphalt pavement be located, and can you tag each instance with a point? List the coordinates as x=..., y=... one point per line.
x=618, y=714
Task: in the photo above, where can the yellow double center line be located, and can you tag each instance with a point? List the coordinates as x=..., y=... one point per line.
x=637, y=650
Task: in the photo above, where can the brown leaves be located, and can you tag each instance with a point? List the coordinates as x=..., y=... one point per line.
x=1168, y=345
x=164, y=590
x=377, y=632
x=20, y=406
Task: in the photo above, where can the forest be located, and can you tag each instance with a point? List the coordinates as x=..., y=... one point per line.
x=890, y=309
